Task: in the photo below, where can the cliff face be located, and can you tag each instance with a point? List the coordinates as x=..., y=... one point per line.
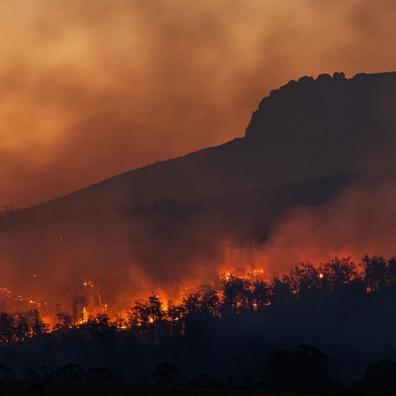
x=331, y=123
x=329, y=103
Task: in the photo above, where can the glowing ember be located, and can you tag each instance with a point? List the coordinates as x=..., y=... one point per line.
x=88, y=283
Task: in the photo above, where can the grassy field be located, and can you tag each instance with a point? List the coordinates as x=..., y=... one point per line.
x=23, y=388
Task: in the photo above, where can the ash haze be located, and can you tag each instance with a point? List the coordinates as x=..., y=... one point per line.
x=92, y=89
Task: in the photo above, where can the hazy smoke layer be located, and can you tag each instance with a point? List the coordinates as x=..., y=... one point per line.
x=90, y=89
x=362, y=220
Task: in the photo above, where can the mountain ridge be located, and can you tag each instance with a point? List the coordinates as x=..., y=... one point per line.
x=151, y=186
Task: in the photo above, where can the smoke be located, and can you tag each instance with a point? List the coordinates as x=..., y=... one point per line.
x=91, y=89
x=359, y=221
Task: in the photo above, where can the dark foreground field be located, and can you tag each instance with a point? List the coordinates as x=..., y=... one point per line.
x=23, y=388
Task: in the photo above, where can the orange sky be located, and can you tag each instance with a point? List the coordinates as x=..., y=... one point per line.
x=91, y=89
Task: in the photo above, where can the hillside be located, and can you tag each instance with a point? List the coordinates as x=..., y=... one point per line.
x=305, y=143
x=293, y=136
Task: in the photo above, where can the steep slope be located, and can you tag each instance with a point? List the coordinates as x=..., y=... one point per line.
x=294, y=135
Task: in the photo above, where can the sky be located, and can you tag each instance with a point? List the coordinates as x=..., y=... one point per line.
x=92, y=89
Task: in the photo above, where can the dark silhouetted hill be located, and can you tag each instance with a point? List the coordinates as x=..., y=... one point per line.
x=305, y=143
x=307, y=129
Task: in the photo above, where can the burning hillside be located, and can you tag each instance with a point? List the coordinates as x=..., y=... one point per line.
x=312, y=179
x=230, y=293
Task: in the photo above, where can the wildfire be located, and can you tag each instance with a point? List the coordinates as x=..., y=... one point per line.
x=250, y=273
x=85, y=315
x=251, y=289
x=10, y=301
x=227, y=276
x=92, y=303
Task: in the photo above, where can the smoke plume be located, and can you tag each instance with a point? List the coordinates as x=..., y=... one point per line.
x=91, y=89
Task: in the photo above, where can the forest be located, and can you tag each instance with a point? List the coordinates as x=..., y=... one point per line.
x=320, y=329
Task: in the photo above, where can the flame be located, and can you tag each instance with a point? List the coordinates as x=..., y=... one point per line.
x=84, y=316
x=92, y=307
x=93, y=303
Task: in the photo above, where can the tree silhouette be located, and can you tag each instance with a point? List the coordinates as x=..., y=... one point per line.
x=21, y=327
x=391, y=273
x=6, y=328
x=375, y=273
x=210, y=301
x=237, y=295
x=100, y=323
x=63, y=321
x=261, y=295
x=339, y=273
x=282, y=292
x=379, y=379
x=305, y=277
x=36, y=325
x=303, y=370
